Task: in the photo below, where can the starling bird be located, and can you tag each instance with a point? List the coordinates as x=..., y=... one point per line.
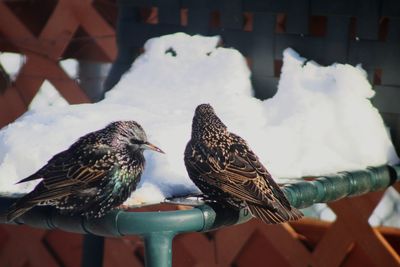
x=227, y=171
x=94, y=175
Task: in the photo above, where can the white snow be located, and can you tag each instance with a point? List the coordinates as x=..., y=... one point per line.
x=327, y=215
x=12, y=63
x=47, y=96
x=70, y=66
x=320, y=121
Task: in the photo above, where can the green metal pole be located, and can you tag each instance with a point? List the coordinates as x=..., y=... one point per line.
x=158, y=249
x=345, y=184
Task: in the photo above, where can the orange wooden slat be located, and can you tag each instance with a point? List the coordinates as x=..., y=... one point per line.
x=100, y=30
x=51, y=43
x=16, y=32
x=33, y=74
x=59, y=29
x=374, y=245
x=291, y=249
x=67, y=247
x=357, y=257
x=310, y=228
x=337, y=237
x=236, y=236
x=392, y=235
x=201, y=249
x=12, y=106
x=187, y=252
x=120, y=253
x=30, y=77
x=54, y=38
x=258, y=252
x=25, y=245
x=68, y=88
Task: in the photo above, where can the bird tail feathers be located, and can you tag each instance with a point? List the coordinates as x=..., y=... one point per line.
x=16, y=210
x=274, y=217
x=32, y=177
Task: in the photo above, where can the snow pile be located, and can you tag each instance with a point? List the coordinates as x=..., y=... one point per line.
x=320, y=121
x=46, y=97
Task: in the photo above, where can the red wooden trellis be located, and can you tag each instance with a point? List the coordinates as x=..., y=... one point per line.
x=43, y=52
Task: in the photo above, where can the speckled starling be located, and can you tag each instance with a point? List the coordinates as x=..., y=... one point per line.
x=227, y=171
x=94, y=175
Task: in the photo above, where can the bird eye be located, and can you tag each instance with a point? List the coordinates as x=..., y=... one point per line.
x=136, y=141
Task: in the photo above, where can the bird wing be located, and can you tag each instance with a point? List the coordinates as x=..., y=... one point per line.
x=81, y=167
x=244, y=177
x=245, y=168
x=66, y=173
x=241, y=175
x=74, y=167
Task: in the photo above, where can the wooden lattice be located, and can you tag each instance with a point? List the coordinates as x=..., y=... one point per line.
x=45, y=50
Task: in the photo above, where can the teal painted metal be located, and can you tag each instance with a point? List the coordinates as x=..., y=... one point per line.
x=158, y=248
x=346, y=184
x=121, y=223
x=159, y=228
x=396, y=171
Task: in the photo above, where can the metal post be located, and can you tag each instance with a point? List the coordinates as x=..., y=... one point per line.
x=93, y=248
x=91, y=78
x=158, y=249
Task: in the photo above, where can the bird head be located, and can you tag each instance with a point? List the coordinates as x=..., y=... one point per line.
x=204, y=109
x=205, y=121
x=133, y=136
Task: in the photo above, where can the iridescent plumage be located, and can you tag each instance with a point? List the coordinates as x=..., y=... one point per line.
x=94, y=175
x=227, y=171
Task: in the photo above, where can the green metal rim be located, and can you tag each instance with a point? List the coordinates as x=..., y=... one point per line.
x=211, y=216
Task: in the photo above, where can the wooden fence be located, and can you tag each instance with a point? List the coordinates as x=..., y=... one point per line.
x=45, y=43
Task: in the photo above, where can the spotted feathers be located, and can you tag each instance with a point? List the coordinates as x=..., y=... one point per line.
x=227, y=171
x=96, y=174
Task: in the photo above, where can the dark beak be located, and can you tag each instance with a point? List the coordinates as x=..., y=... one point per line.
x=150, y=146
